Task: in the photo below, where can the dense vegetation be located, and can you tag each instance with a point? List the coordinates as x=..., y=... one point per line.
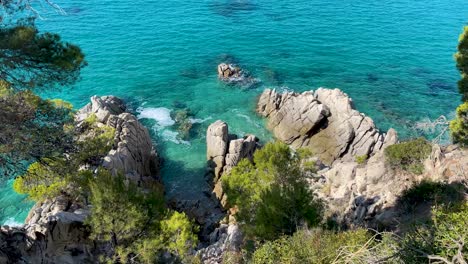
x=459, y=126
x=442, y=240
x=271, y=194
x=29, y=60
x=409, y=155
x=31, y=128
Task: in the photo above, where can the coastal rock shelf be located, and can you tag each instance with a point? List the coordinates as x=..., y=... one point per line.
x=324, y=120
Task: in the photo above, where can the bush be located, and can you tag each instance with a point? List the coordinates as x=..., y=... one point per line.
x=444, y=240
x=271, y=194
x=136, y=222
x=42, y=180
x=409, y=155
x=461, y=58
x=318, y=247
x=361, y=159
x=459, y=126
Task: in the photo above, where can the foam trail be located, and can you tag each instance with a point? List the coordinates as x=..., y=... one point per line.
x=162, y=115
x=12, y=223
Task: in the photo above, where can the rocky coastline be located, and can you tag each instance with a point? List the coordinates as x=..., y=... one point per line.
x=324, y=121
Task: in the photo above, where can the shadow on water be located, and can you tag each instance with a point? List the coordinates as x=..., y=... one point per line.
x=229, y=8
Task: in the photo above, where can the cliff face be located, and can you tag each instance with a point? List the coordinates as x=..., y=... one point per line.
x=54, y=231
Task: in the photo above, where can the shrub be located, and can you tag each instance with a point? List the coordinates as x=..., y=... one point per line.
x=443, y=240
x=96, y=146
x=459, y=126
x=42, y=180
x=271, y=194
x=136, y=222
x=361, y=159
x=409, y=155
x=461, y=58
x=318, y=247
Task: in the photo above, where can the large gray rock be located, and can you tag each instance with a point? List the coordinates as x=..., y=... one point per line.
x=54, y=233
x=133, y=153
x=324, y=121
x=224, y=151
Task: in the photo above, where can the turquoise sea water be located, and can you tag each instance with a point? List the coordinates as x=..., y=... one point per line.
x=393, y=57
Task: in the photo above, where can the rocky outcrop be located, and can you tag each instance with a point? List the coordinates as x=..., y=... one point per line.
x=233, y=74
x=324, y=121
x=224, y=151
x=226, y=238
x=54, y=231
x=367, y=194
x=133, y=153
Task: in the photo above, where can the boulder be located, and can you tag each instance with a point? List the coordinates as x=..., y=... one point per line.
x=324, y=121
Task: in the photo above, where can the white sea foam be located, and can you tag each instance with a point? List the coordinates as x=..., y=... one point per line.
x=172, y=136
x=162, y=115
x=198, y=120
x=12, y=223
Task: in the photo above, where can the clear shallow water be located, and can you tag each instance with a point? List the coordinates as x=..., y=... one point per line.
x=394, y=58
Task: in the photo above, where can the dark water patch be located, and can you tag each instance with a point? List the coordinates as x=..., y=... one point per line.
x=273, y=76
x=440, y=85
x=420, y=72
x=227, y=58
x=231, y=8
x=278, y=17
x=190, y=73
x=372, y=77
x=74, y=10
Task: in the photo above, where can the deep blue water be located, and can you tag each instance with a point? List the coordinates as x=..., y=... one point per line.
x=393, y=57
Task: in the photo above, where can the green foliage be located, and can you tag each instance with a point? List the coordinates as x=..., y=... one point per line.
x=96, y=146
x=42, y=180
x=461, y=58
x=271, y=194
x=32, y=128
x=409, y=155
x=136, y=222
x=361, y=159
x=444, y=238
x=32, y=60
x=315, y=246
x=459, y=126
